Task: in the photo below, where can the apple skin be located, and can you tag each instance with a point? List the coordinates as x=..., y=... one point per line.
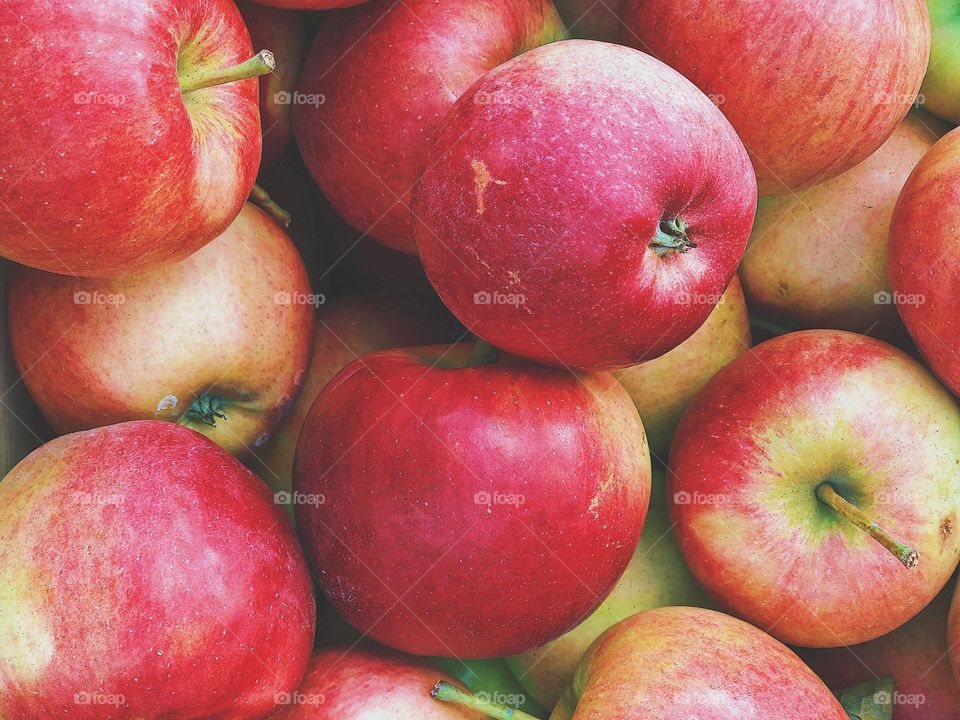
x=657, y=576
x=209, y=326
x=506, y=207
x=141, y=560
x=281, y=32
x=681, y=662
x=812, y=87
x=388, y=73
x=662, y=388
x=799, y=410
x=106, y=167
x=818, y=258
x=409, y=450
x=924, y=253
x=366, y=681
x=941, y=85
x=914, y=656
x=592, y=19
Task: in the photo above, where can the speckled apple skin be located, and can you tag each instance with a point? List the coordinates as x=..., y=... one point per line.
x=794, y=412
x=106, y=167
x=547, y=183
x=211, y=323
x=141, y=561
x=402, y=455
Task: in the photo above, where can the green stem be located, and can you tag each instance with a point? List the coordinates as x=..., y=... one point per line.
x=261, y=198
x=206, y=409
x=483, y=354
x=770, y=327
x=446, y=692
x=672, y=237
x=906, y=555
x=260, y=64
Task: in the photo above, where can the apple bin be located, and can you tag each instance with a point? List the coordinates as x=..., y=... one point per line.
x=479, y=358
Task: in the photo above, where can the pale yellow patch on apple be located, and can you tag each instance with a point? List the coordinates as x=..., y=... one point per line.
x=27, y=645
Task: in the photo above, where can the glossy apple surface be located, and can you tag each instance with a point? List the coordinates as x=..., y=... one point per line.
x=805, y=410
x=219, y=342
x=662, y=388
x=592, y=19
x=657, y=576
x=811, y=87
x=146, y=575
x=572, y=246
x=680, y=662
x=818, y=258
x=377, y=83
x=941, y=85
x=434, y=484
x=106, y=166
x=924, y=255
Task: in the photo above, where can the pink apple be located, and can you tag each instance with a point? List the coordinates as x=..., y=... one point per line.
x=430, y=484
x=146, y=575
x=377, y=83
x=117, y=154
x=219, y=341
x=574, y=197
x=811, y=87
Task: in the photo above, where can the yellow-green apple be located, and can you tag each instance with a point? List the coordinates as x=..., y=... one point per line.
x=370, y=682
x=282, y=32
x=811, y=87
x=145, y=573
x=569, y=220
x=657, y=576
x=924, y=255
x=940, y=92
x=914, y=655
x=432, y=475
x=818, y=258
x=662, y=388
x=815, y=487
x=592, y=19
x=219, y=342
x=344, y=331
x=377, y=83
x=126, y=144
x=680, y=662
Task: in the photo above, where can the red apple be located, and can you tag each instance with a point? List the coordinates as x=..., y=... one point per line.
x=914, y=656
x=816, y=487
x=377, y=83
x=218, y=342
x=431, y=484
x=592, y=19
x=568, y=221
x=118, y=155
x=812, y=87
x=146, y=575
x=370, y=682
x=925, y=254
x=282, y=32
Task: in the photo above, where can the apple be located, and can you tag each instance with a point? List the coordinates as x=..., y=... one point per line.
x=924, y=253
x=366, y=681
x=492, y=679
x=377, y=83
x=662, y=388
x=219, y=342
x=592, y=19
x=940, y=91
x=145, y=573
x=812, y=88
x=816, y=488
x=431, y=477
x=657, y=576
x=915, y=656
x=282, y=32
x=570, y=245
x=126, y=144
x=344, y=331
x=818, y=258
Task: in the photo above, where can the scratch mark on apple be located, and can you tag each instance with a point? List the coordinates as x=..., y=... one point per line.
x=482, y=179
x=167, y=403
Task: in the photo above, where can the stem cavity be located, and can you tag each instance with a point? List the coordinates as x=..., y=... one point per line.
x=672, y=237
x=446, y=692
x=261, y=198
x=206, y=409
x=260, y=64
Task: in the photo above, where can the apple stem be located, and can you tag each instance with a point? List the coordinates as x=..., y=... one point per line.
x=206, y=409
x=672, y=237
x=260, y=64
x=908, y=556
x=483, y=354
x=261, y=198
x=446, y=692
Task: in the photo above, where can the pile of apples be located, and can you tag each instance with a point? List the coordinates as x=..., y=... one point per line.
x=394, y=359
